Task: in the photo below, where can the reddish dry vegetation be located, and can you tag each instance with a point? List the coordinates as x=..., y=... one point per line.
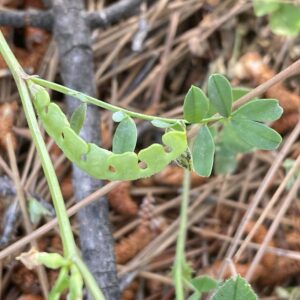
x=145, y=230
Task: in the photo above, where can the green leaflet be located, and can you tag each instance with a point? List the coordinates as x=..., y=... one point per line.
x=235, y=289
x=195, y=105
x=101, y=163
x=78, y=117
x=260, y=110
x=256, y=134
x=36, y=210
x=125, y=136
x=220, y=94
x=225, y=160
x=237, y=93
x=161, y=124
x=203, y=151
x=232, y=141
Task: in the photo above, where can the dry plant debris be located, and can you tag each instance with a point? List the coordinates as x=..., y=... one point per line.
x=121, y=201
x=8, y=114
x=147, y=229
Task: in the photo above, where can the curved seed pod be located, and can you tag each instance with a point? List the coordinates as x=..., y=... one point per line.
x=96, y=161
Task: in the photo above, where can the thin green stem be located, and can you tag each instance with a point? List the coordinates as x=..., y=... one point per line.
x=88, y=99
x=180, y=246
x=88, y=279
x=18, y=73
x=69, y=245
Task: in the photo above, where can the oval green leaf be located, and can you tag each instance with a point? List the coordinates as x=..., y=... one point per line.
x=225, y=160
x=235, y=289
x=203, y=151
x=195, y=105
x=232, y=141
x=260, y=110
x=125, y=137
x=256, y=134
x=161, y=124
x=78, y=117
x=220, y=94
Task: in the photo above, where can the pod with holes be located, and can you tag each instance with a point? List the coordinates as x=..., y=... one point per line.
x=96, y=161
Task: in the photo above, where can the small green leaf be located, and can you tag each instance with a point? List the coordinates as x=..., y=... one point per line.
x=203, y=151
x=232, y=141
x=239, y=92
x=220, y=94
x=225, y=160
x=78, y=117
x=195, y=105
x=263, y=7
x=260, y=110
x=204, y=284
x=125, y=137
x=256, y=134
x=285, y=20
x=118, y=116
x=235, y=289
x=161, y=124
x=36, y=211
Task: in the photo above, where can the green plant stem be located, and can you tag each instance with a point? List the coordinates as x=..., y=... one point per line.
x=97, y=102
x=88, y=278
x=180, y=246
x=18, y=73
x=69, y=245
x=91, y=100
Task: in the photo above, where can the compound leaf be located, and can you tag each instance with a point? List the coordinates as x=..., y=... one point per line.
x=195, y=105
x=220, y=94
x=125, y=136
x=235, y=289
x=78, y=117
x=260, y=110
x=203, y=151
x=256, y=134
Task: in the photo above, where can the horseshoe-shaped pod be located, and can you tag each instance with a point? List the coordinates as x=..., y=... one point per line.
x=96, y=161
